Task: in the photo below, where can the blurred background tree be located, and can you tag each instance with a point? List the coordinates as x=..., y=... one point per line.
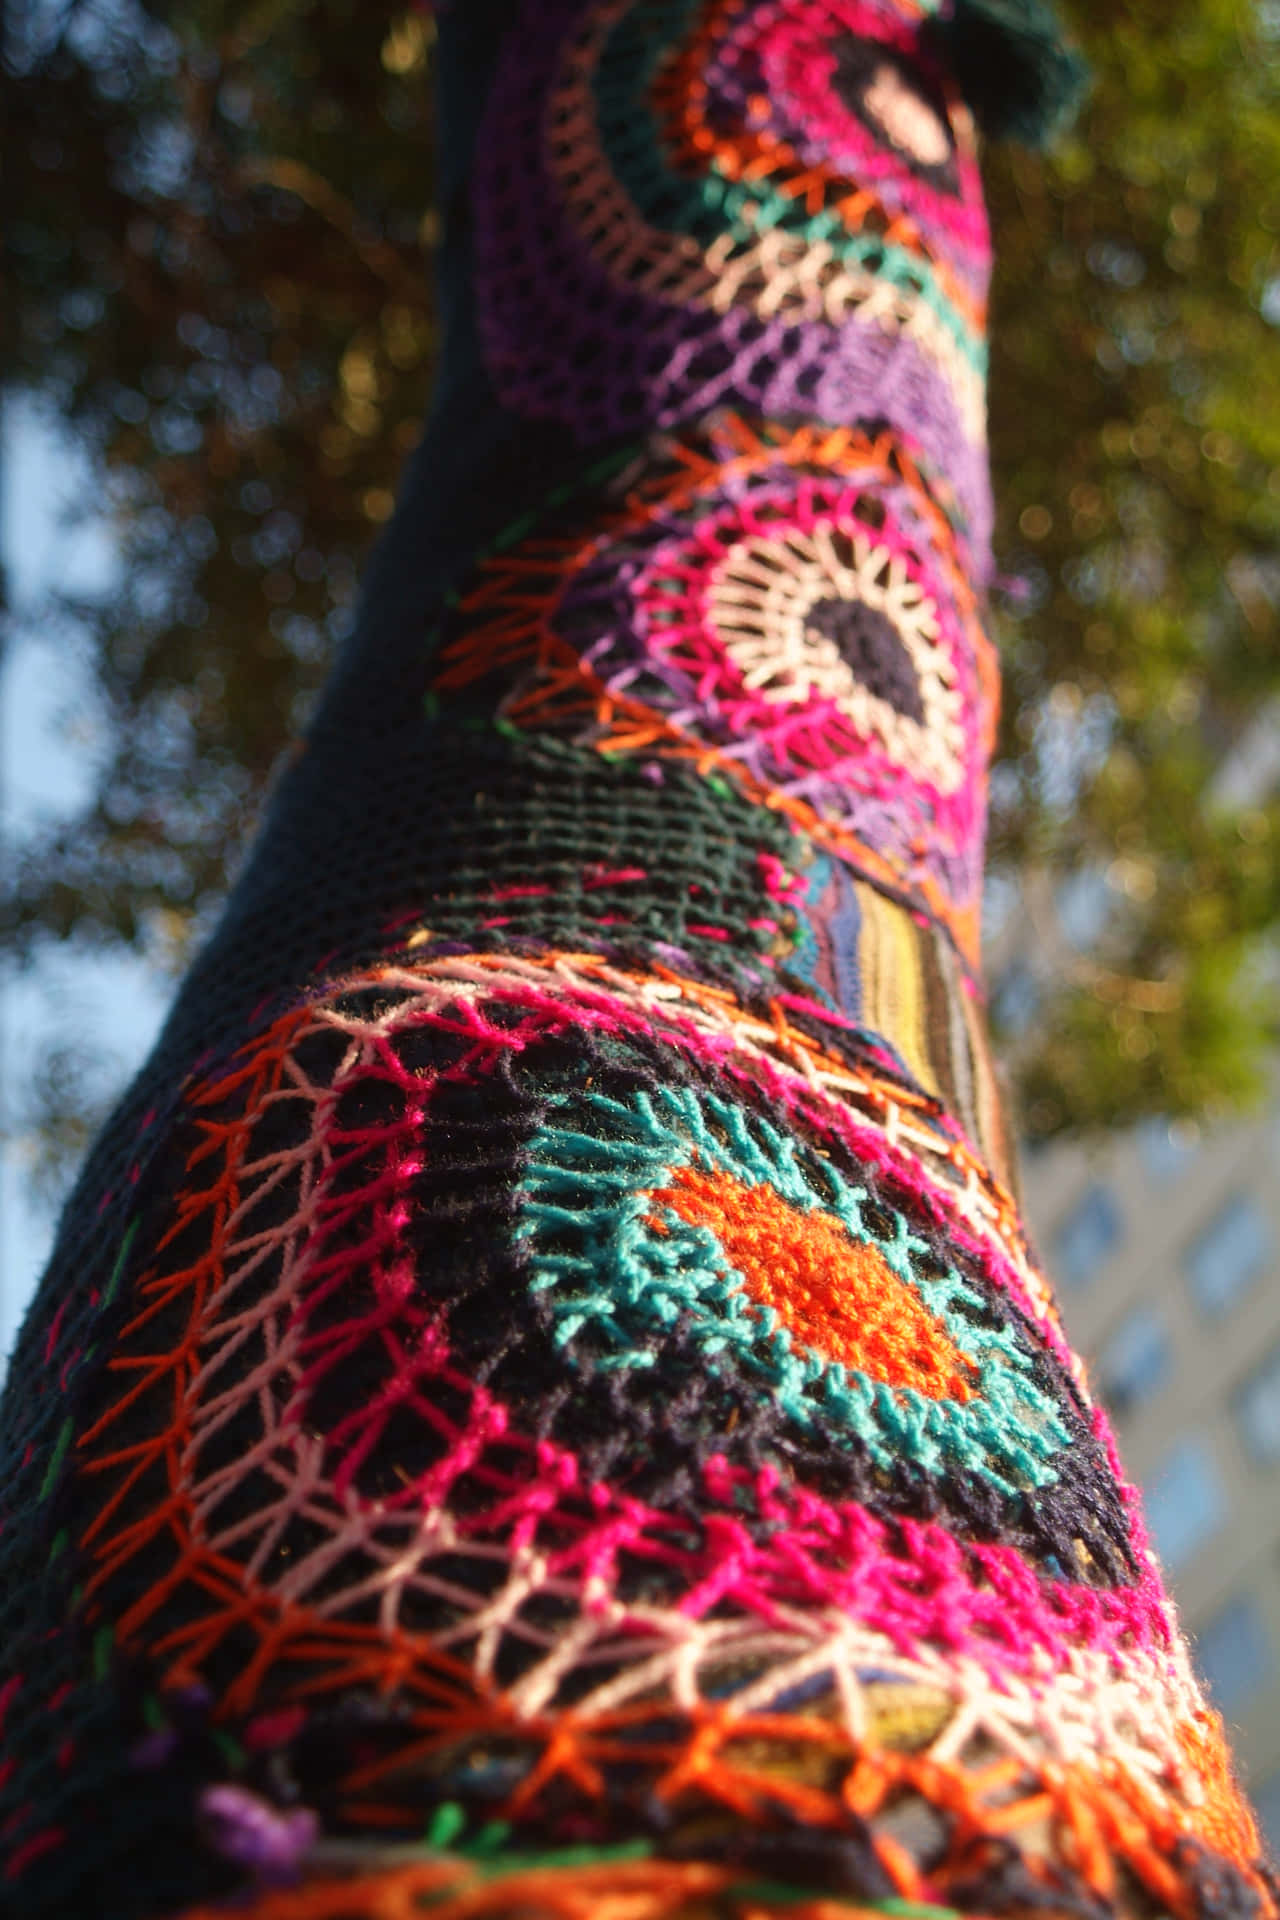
x=219, y=279
x=1136, y=445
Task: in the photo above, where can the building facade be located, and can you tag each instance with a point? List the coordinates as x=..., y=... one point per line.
x=1166, y=1248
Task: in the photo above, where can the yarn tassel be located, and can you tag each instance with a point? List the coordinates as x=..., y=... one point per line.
x=1016, y=71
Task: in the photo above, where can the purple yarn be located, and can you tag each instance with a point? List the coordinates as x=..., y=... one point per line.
x=251, y=1833
x=566, y=340
x=155, y=1749
x=604, y=612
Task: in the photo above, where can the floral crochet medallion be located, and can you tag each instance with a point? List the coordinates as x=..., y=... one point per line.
x=543, y=1407
x=792, y=601
x=774, y=207
x=866, y=1535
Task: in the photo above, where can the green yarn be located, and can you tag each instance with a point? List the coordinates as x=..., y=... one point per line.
x=489, y=1852
x=122, y=1257
x=1009, y=57
x=65, y=1436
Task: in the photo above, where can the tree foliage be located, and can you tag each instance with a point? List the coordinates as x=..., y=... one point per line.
x=221, y=282
x=220, y=279
x=1136, y=439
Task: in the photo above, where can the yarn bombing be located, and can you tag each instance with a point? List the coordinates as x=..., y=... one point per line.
x=543, y=1404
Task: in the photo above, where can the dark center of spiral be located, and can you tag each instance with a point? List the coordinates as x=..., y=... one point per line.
x=873, y=650
x=895, y=102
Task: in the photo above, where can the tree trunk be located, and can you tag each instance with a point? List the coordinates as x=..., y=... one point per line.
x=543, y=1403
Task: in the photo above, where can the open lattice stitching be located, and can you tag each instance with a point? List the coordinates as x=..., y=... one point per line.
x=786, y=604
x=772, y=206
x=572, y=1425
x=599, y=1884
x=300, y=1488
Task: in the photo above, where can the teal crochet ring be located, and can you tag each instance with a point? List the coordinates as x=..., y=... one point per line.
x=677, y=1212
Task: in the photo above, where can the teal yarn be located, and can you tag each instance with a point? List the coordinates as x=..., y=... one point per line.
x=619, y=1290
x=712, y=208
x=1012, y=63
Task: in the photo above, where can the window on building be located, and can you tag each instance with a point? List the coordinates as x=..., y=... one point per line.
x=1229, y=1256
x=1088, y=1234
x=1166, y=1148
x=1186, y=1502
x=1234, y=1654
x=1258, y=1411
x=1266, y=1799
x=1136, y=1361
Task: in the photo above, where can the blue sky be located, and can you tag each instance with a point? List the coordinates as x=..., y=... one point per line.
x=51, y=538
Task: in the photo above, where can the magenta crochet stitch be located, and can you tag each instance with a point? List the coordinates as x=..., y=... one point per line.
x=794, y=81
x=545, y=1403
x=813, y=626
x=616, y=312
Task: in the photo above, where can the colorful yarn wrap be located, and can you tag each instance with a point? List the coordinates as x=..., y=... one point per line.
x=543, y=1404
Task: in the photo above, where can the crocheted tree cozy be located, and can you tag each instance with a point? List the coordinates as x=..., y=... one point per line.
x=543, y=1404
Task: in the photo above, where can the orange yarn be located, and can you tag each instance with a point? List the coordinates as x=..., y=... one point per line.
x=260, y=1072
x=155, y=1371
x=563, y=690
x=836, y=1295
x=877, y=1096
x=517, y=629
x=1223, y=1820
x=831, y=1292
x=1096, y=1823
x=625, y=1890
x=679, y=99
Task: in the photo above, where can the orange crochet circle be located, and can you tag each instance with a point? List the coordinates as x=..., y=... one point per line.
x=836, y=1295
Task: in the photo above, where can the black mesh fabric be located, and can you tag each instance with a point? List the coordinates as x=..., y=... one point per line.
x=542, y=1402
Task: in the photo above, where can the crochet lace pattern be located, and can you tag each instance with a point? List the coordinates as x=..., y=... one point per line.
x=543, y=1404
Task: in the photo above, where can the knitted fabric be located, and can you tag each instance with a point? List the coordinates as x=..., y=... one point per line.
x=543, y=1403
x=767, y=207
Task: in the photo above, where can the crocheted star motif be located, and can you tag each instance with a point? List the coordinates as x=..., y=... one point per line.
x=676, y=1212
